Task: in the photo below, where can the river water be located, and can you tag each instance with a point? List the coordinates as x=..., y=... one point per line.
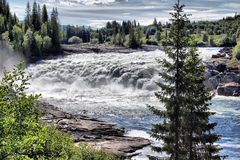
x=116, y=87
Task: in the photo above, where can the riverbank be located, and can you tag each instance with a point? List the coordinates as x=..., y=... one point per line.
x=96, y=133
x=221, y=76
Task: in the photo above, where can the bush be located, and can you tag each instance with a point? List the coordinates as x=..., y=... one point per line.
x=74, y=40
x=94, y=41
x=22, y=135
x=236, y=51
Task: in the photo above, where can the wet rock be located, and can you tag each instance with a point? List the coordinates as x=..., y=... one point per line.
x=229, y=89
x=140, y=83
x=121, y=146
x=124, y=79
x=99, y=134
x=221, y=67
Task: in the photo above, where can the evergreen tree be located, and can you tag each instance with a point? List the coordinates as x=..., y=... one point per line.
x=198, y=131
x=172, y=89
x=185, y=130
x=55, y=31
x=132, y=42
x=28, y=17
x=100, y=37
x=35, y=19
x=155, y=23
x=44, y=14
x=39, y=15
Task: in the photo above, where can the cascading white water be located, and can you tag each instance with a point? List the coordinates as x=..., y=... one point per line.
x=117, y=87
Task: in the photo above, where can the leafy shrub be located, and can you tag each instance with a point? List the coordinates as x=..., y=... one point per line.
x=74, y=40
x=23, y=137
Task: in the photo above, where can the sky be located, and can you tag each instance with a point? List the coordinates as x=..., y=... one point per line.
x=96, y=13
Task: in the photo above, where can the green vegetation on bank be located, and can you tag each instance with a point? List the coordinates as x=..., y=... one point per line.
x=23, y=137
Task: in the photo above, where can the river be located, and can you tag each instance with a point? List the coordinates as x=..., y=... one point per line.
x=116, y=87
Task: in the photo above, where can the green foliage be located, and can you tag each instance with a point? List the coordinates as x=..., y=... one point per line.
x=184, y=129
x=5, y=36
x=55, y=31
x=27, y=43
x=205, y=38
x=74, y=40
x=18, y=37
x=158, y=36
x=22, y=135
x=236, y=51
x=28, y=36
x=198, y=132
x=47, y=43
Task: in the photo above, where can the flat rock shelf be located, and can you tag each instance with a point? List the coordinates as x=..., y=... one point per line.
x=97, y=133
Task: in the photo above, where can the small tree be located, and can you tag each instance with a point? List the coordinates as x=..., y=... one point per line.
x=205, y=38
x=158, y=35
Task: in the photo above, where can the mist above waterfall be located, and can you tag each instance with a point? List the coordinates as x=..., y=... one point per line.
x=8, y=58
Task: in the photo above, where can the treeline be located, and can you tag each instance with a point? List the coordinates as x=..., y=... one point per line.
x=220, y=33
x=128, y=33
x=37, y=36
x=7, y=20
x=228, y=27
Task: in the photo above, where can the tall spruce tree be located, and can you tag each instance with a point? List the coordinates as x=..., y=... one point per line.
x=35, y=19
x=172, y=89
x=198, y=131
x=28, y=17
x=44, y=14
x=185, y=130
x=55, y=31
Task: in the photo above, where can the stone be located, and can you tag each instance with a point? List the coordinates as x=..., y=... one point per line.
x=228, y=89
x=96, y=133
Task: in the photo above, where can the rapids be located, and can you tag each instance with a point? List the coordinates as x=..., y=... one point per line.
x=116, y=87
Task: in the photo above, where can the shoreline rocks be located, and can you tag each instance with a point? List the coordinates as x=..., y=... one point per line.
x=96, y=133
x=229, y=89
x=221, y=77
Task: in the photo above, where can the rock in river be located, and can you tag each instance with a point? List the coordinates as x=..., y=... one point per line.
x=229, y=89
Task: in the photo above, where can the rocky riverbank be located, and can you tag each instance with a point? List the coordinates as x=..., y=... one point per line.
x=96, y=133
x=103, y=48
x=221, y=75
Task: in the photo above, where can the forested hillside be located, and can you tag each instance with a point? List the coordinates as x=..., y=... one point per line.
x=36, y=36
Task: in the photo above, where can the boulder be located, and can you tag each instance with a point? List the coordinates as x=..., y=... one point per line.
x=228, y=89
x=221, y=67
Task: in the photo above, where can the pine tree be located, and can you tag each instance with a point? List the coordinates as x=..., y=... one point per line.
x=132, y=42
x=28, y=17
x=198, y=131
x=35, y=19
x=44, y=14
x=172, y=89
x=185, y=131
x=100, y=37
x=39, y=15
x=155, y=23
x=55, y=31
